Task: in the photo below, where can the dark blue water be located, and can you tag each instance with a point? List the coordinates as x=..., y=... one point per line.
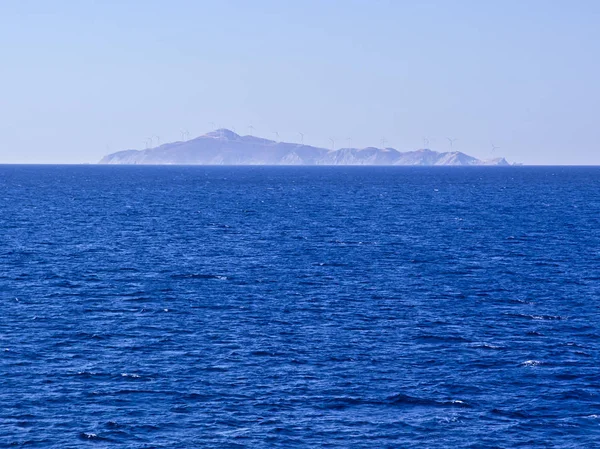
x=183, y=307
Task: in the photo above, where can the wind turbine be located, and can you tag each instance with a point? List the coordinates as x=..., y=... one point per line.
x=332, y=143
x=148, y=142
x=425, y=142
x=494, y=148
x=349, y=139
x=212, y=125
x=182, y=135
x=157, y=140
x=301, y=138
x=451, y=142
x=251, y=128
x=276, y=136
x=383, y=142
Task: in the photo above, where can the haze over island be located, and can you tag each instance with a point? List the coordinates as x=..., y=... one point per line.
x=225, y=147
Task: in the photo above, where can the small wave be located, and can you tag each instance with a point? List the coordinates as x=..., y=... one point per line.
x=404, y=399
x=343, y=402
x=92, y=436
x=548, y=317
x=531, y=363
x=442, y=338
x=131, y=375
x=86, y=335
x=218, y=226
x=66, y=284
x=135, y=293
x=537, y=317
x=298, y=362
x=340, y=359
x=92, y=375
x=330, y=264
x=511, y=413
x=88, y=435
x=218, y=368
x=263, y=353
x=199, y=276
x=486, y=346
x=351, y=242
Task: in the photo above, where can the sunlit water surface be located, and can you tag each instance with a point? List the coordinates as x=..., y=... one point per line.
x=176, y=307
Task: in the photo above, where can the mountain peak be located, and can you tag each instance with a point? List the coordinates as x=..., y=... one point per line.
x=223, y=133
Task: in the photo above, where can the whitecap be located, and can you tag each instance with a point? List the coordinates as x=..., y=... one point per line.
x=531, y=363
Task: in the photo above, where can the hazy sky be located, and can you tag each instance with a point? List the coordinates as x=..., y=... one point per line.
x=81, y=78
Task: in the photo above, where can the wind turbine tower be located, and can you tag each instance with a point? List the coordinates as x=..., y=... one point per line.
x=451, y=142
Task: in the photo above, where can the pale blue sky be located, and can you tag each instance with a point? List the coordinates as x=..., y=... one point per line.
x=81, y=78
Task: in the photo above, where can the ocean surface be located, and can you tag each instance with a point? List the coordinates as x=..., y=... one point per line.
x=334, y=307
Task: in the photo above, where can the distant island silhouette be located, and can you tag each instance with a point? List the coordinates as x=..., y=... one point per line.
x=225, y=147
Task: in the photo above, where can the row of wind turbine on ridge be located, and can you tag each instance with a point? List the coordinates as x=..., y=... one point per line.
x=185, y=135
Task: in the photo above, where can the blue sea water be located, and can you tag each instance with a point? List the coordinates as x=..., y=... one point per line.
x=260, y=307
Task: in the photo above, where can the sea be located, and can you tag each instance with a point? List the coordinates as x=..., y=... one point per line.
x=299, y=307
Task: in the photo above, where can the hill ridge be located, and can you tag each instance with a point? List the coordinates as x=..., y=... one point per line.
x=225, y=147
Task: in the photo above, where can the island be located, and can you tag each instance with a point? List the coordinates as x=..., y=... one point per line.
x=225, y=147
